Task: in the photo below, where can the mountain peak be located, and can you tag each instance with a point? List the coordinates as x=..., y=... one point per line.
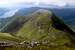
x=43, y=11
x=40, y=28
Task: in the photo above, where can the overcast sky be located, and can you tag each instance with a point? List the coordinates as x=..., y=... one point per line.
x=8, y=3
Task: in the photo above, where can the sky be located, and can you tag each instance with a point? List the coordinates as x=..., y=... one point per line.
x=16, y=3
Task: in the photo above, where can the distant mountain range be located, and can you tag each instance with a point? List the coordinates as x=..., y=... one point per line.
x=13, y=14
x=4, y=12
x=66, y=14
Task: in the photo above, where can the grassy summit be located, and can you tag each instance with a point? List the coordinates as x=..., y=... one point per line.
x=40, y=28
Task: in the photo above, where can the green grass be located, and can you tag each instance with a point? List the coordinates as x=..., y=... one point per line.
x=7, y=36
x=39, y=27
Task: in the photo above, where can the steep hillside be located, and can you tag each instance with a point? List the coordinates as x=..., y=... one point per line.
x=68, y=16
x=8, y=37
x=20, y=13
x=14, y=22
x=3, y=21
x=40, y=28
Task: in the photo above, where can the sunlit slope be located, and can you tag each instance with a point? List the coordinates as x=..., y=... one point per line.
x=13, y=25
x=40, y=28
x=8, y=37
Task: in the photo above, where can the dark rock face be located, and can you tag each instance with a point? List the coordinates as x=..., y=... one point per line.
x=59, y=24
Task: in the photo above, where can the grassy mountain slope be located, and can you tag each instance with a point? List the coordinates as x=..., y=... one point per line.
x=15, y=22
x=40, y=28
x=8, y=37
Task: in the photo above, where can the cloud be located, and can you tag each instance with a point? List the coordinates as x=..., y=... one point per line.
x=8, y=3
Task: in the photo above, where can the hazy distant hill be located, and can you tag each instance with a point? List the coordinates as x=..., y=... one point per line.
x=3, y=21
x=2, y=11
x=67, y=15
x=21, y=13
x=26, y=11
